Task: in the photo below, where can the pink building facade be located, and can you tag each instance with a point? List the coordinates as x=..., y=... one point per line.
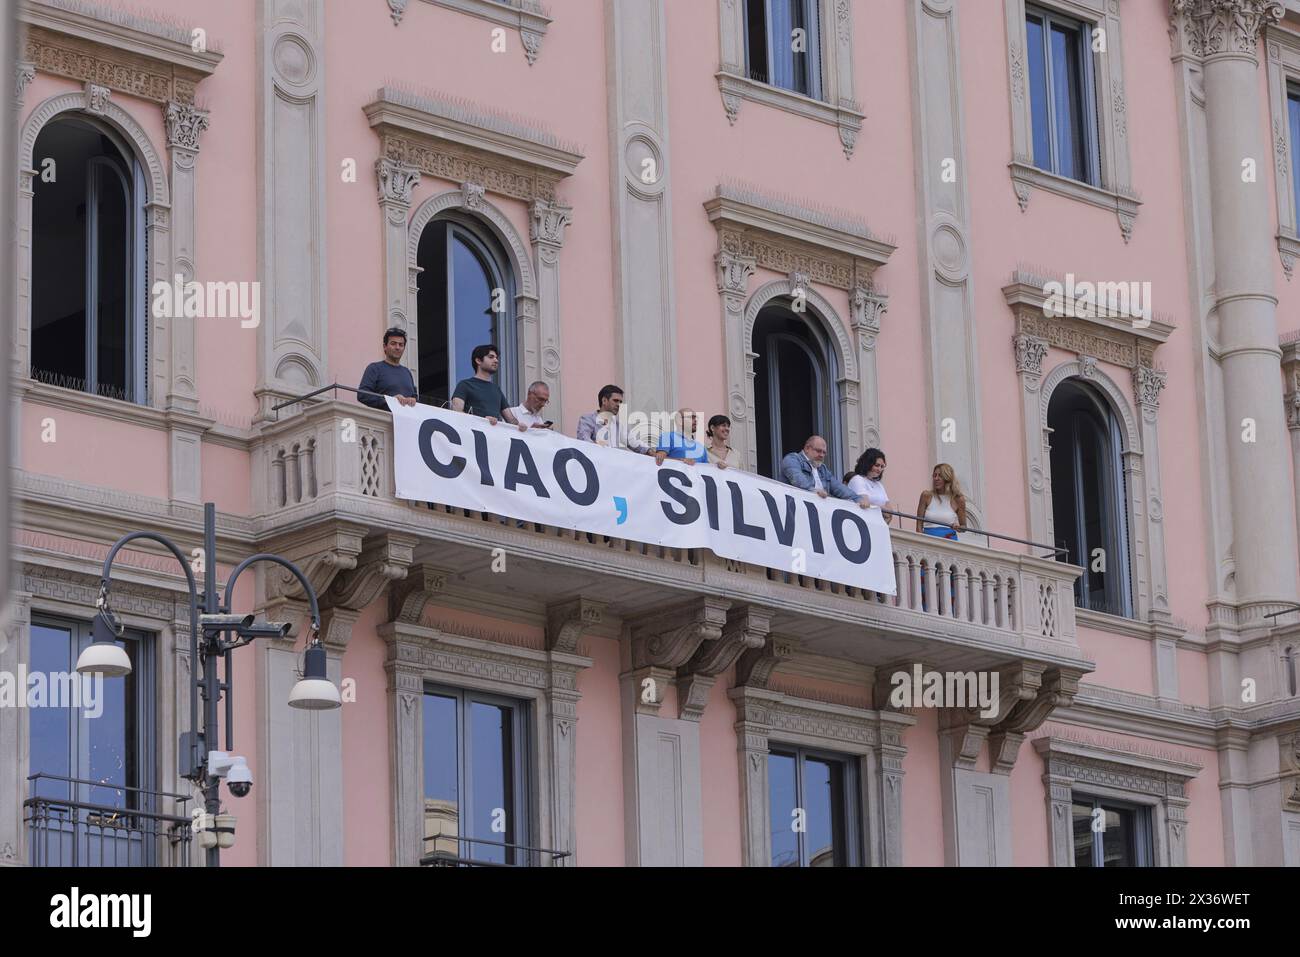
x=860, y=235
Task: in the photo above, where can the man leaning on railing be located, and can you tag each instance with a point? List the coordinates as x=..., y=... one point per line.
x=388, y=376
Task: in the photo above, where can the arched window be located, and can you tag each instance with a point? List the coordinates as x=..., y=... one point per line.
x=466, y=299
x=88, y=283
x=794, y=377
x=1089, y=495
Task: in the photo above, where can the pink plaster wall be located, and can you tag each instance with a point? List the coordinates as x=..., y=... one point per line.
x=922, y=802
x=600, y=760
x=720, y=777
x=1122, y=662
x=367, y=788
x=94, y=450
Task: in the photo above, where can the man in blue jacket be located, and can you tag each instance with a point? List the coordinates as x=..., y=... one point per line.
x=807, y=470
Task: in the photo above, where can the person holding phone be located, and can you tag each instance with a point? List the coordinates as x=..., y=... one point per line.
x=529, y=414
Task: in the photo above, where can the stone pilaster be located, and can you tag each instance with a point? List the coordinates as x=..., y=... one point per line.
x=15, y=750
x=397, y=182
x=546, y=226
x=641, y=172
x=1147, y=385
x=868, y=306
x=734, y=272
x=1030, y=352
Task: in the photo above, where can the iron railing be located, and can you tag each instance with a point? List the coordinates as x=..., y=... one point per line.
x=510, y=855
x=67, y=829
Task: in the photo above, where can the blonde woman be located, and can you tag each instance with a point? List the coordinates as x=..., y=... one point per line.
x=943, y=505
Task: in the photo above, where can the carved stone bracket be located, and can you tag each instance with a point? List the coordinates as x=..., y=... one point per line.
x=568, y=621
x=24, y=73
x=383, y=560
x=746, y=629
x=1054, y=689
x=755, y=666
x=96, y=98
x=670, y=640
x=408, y=598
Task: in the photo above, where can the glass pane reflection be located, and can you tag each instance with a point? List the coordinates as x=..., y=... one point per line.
x=782, y=802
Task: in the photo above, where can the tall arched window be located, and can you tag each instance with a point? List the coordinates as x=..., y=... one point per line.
x=466, y=299
x=1089, y=496
x=794, y=379
x=88, y=282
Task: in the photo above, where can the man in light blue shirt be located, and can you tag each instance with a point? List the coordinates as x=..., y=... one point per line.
x=807, y=470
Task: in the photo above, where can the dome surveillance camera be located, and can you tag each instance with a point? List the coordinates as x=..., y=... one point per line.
x=239, y=778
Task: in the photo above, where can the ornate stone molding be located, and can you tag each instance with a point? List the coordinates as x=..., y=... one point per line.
x=459, y=142
x=755, y=666
x=184, y=123
x=96, y=98
x=1212, y=28
x=382, y=561
x=122, y=51
x=746, y=629
x=547, y=222
x=1159, y=783
x=1030, y=351
x=734, y=272
x=409, y=597
x=396, y=181
x=1147, y=384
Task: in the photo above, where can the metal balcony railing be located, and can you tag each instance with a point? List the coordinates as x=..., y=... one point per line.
x=68, y=827
x=449, y=850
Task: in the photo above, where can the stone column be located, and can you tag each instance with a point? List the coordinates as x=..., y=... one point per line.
x=405, y=736
x=868, y=305
x=636, y=34
x=1030, y=351
x=397, y=181
x=1225, y=33
x=546, y=231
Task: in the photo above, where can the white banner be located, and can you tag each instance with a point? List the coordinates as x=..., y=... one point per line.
x=539, y=476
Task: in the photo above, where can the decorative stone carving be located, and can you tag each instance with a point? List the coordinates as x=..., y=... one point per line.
x=397, y=180
x=734, y=272
x=1224, y=27
x=1030, y=351
x=547, y=223
x=408, y=597
x=184, y=125
x=382, y=561
x=24, y=73
x=568, y=621
x=532, y=41
x=396, y=8
x=755, y=666
x=474, y=194
x=670, y=639
x=1147, y=383
x=1087, y=367
x=97, y=98
x=446, y=162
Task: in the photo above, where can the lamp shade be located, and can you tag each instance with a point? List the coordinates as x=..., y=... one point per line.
x=314, y=691
x=105, y=656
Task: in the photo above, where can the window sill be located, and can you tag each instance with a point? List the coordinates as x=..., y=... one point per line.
x=735, y=87
x=119, y=410
x=1121, y=202
x=1289, y=248
x=1114, y=624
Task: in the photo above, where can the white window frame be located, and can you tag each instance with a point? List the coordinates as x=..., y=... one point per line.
x=836, y=104
x=1283, y=70
x=1114, y=192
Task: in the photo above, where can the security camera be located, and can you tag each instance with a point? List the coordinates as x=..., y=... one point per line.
x=234, y=768
x=239, y=778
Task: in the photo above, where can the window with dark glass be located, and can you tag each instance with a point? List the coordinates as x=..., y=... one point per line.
x=91, y=749
x=783, y=44
x=88, y=288
x=1062, y=96
x=1089, y=495
x=1293, y=121
x=465, y=299
x=1111, y=834
x=475, y=774
x=793, y=382
x=812, y=802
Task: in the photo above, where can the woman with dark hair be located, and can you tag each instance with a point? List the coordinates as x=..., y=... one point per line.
x=720, y=453
x=866, y=478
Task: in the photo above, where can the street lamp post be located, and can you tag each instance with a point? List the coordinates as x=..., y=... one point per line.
x=214, y=633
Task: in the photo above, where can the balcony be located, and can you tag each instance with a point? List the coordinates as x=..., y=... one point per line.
x=323, y=474
x=77, y=823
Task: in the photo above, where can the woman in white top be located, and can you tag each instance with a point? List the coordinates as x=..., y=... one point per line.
x=866, y=478
x=943, y=503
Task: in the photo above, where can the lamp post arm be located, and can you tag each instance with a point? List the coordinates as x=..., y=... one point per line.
x=297, y=573
x=194, y=604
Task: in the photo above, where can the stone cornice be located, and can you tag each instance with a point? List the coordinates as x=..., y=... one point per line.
x=1088, y=762
x=122, y=51
x=785, y=236
x=1110, y=339
x=461, y=142
x=530, y=18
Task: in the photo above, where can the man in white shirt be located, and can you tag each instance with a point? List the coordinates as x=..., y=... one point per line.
x=529, y=415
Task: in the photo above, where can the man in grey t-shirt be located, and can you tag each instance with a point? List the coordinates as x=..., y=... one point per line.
x=389, y=376
x=479, y=395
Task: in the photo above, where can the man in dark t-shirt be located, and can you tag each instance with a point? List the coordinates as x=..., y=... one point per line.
x=479, y=395
x=389, y=376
